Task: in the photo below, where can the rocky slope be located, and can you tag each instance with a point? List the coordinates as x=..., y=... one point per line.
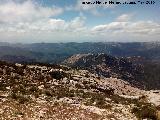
x=108, y=66
x=53, y=92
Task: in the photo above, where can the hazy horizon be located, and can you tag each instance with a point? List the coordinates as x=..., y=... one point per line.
x=79, y=42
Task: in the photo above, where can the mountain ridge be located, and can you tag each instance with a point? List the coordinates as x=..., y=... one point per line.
x=107, y=66
x=58, y=52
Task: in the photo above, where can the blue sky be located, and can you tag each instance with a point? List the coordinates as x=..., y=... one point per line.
x=29, y=21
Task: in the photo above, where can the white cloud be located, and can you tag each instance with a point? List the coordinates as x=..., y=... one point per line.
x=21, y=20
x=56, y=30
x=123, y=31
x=124, y=18
x=26, y=16
x=77, y=24
x=124, y=24
x=25, y=20
x=49, y=29
x=113, y=26
x=11, y=11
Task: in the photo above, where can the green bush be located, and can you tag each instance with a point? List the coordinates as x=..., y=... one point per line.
x=48, y=93
x=145, y=111
x=33, y=89
x=59, y=75
x=23, y=99
x=20, y=98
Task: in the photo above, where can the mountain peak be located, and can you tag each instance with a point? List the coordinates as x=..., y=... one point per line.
x=107, y=66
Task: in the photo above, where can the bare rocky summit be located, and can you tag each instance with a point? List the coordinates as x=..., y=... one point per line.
x=57, y=92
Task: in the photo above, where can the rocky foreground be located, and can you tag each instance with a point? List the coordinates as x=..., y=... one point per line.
x=52, y=92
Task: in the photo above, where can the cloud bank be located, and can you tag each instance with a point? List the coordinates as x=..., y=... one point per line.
x=26, y=21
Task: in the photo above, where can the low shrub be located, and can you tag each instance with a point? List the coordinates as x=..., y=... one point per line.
x=145, y=111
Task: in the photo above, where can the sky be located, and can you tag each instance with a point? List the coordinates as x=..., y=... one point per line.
x=53, y=21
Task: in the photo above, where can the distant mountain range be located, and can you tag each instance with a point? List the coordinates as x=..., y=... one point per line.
x=58, y=52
